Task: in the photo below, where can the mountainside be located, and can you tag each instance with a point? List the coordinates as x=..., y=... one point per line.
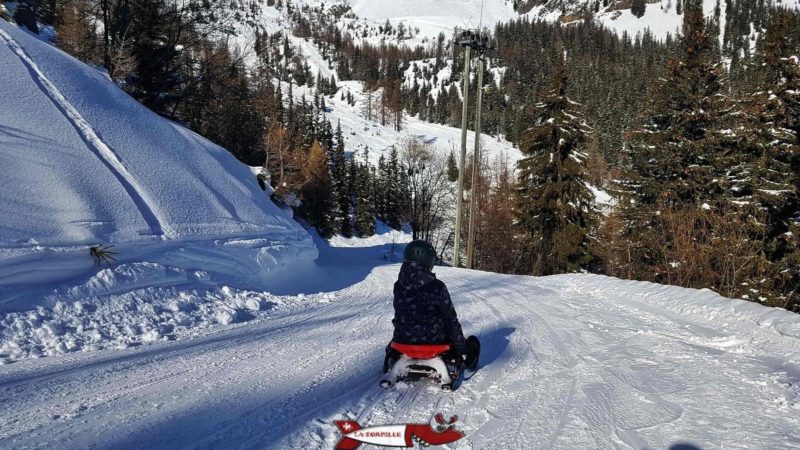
x=362, y=134
x=311, y=49
x=83, y=164
x=660, y=16
x=423, y=20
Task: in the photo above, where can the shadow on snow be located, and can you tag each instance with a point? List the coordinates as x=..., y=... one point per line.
x=336, y=268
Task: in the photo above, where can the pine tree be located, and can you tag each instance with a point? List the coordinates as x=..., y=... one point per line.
x=395, y=191
x=771, y=133
x=554, y=206
x=316, y=192
x=309, y=79
x=675, y=152
x=381, y=189
x=684, y=226
x=768, y=170
x=365, y=200
x=638, y=8
x=341, y=184
x=319, y=83
x=452, y=167
x=332, y=88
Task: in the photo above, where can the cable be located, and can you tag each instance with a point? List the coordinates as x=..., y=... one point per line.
x=480, y=22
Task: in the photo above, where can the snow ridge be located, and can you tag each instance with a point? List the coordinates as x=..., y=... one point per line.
x=149, y=212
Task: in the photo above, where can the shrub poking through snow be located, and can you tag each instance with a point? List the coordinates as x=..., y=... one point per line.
x=262, y=181
x=103, y=254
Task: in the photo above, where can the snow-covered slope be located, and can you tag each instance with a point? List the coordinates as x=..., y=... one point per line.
x=82, y=163
x=443, y=16
x=361, y=134
x=431, y=18
x=569, y=362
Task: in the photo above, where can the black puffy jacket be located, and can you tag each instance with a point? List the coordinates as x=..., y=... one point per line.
x=423, y=311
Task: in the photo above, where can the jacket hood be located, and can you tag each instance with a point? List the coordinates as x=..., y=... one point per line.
x=414, y=275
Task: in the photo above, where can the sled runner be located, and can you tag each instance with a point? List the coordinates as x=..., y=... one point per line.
x=436, y=362
x=411, y=362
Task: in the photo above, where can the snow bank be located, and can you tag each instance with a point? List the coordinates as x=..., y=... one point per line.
x=383, y=236
x=388, y=243
x=124, y=307
x=82, y=163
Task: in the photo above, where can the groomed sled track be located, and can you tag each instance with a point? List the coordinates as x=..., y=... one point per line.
x=568, y=362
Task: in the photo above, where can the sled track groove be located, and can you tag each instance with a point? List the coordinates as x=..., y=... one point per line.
x=326, y=367
x=562, y=417
x=158, y=225
x=281, y=383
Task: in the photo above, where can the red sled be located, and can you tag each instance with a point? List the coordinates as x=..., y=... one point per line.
x=413, y=362
x=417, y=351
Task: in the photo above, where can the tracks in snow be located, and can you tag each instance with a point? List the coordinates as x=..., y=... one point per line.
x=140, y=197
x=565, y=365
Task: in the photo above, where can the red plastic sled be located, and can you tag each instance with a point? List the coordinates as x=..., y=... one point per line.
x=417, y=351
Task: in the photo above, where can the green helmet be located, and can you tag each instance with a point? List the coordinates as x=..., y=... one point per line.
x=421, y=252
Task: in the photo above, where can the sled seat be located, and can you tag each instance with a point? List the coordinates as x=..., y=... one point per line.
x=421, y=351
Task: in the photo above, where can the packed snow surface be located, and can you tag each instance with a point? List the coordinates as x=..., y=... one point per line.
x=82, y=164
x=572, y=361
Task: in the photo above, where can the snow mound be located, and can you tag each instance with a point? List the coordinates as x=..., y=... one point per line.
x=122, y=307
x=82, y=163
x=384, y=235
x=388, y=243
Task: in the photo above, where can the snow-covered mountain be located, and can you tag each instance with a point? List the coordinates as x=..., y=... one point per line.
x=83, y=164
x=418, y=23
x=423, y=20
x=360, y=133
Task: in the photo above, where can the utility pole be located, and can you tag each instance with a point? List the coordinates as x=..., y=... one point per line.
x=470, y=41
x=467, y=40
x=476, y=159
